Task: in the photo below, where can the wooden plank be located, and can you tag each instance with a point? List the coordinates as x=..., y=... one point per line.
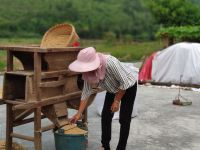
x=50, y=113
x=13, y=102
x=21, y=48
x=9, y=61
x=20, y=100
x=38, y=49
x=60, y=109
x=48, y=101
x=21, y=72
x=24, y=114
x=37, y=129
x=24, y=137
x=37, y=75
x=29, y=94
x=51, y=74
x=25, y=121
x=53, y=83
x=28, y=105
x=47, y=128
x=9, y=126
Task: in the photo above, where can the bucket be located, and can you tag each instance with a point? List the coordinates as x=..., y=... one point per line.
x=70, y=141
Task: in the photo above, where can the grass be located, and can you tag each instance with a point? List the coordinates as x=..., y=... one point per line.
x=131, y=52
x=2, y=60
x=134, y=51
x=20, y=41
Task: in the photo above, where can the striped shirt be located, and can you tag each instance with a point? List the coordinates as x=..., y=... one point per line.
x=117, y=77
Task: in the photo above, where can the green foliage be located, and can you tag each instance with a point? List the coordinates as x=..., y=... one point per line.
x=184, y=33
x=20, y=41
x=130, y=52
x=2, y=66
x=2, y=60
x=92, y=18
x=175, y=12
x=127, y=38
x=125, y=52
x=109, y=37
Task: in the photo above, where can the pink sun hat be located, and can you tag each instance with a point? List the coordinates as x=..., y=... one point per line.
x=87, y=60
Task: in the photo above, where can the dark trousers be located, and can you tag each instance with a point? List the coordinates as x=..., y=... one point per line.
x=126, y=109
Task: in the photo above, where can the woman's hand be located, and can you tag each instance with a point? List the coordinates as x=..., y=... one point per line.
x=75, y=118
x=115, y=106
x=78, y=115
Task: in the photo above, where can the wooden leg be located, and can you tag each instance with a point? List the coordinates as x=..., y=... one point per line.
x=84, y=120
x=9, y=126
x=37, y=129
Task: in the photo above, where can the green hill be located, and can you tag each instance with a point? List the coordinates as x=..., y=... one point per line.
x=131, y=19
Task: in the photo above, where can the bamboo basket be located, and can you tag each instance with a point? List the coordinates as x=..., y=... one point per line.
x=58, y=36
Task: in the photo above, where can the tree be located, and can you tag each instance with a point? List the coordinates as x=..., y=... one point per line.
x=175, y=12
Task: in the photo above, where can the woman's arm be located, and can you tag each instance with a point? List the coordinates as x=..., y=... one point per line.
x=82, y=106
x=78, y=115
x=86, y=93
x=118, y=97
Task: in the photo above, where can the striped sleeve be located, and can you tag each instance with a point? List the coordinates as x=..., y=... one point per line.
x=121, y=74
x=87, y=91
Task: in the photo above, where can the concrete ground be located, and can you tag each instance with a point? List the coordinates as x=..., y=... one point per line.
x=159, y=125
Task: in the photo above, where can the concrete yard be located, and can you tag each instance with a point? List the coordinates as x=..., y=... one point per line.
x=159, y=125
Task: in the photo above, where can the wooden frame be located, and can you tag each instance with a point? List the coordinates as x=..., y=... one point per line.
x=21, y=109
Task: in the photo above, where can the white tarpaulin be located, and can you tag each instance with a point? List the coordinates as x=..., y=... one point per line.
x=179, y=60
x=100, y=98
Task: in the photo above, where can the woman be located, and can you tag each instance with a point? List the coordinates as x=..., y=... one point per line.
x=106, y=72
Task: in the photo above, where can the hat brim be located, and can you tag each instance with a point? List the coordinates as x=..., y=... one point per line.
x=78, y=66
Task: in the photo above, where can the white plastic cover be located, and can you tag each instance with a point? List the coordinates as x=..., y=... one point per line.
x=100, y=98
x=179, y=60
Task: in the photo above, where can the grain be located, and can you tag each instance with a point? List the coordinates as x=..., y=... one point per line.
x=15, y=146
x=73, y=129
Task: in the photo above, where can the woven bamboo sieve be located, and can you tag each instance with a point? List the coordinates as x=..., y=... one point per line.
x=61, y=35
